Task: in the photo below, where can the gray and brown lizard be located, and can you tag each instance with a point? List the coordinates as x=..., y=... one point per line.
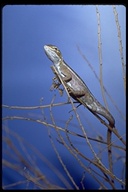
x=75, y=85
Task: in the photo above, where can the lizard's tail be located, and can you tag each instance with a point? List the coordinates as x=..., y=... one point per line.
x=105, y=113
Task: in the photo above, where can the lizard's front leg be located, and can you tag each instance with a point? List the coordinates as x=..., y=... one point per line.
x=56, y=82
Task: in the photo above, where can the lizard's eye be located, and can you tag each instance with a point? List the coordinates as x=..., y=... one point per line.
x=56, y=48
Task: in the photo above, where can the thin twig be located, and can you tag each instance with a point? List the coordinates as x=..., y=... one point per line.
x=120, y=45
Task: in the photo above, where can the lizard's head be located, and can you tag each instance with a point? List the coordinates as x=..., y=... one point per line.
x=53, y=53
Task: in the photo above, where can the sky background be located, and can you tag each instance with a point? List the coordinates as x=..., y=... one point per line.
x=27, y=76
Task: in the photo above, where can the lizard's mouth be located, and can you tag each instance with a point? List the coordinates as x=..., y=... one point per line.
x=52, y=54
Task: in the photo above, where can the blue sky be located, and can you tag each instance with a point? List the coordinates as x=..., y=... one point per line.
x=26, y=73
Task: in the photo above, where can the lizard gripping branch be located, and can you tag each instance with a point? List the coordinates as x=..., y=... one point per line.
x=76, y=87
x=79, y=91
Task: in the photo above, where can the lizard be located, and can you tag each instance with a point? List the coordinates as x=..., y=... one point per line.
x=79, y=91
